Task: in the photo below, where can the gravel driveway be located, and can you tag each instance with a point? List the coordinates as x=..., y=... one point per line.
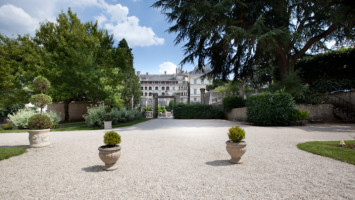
x=179, y=159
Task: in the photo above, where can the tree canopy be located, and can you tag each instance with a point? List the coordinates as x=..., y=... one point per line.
x=234, y=36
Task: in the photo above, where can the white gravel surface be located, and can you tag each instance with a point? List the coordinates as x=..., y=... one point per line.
x=179, y=159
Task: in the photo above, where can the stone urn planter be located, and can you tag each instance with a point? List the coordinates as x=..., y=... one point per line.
x=110, y=155
x=107, y=124
x=39, y=138
x=235, y=146
x=236, y=151
x=111, y=152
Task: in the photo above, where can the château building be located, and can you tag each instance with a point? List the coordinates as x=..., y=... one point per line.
x=185, y=84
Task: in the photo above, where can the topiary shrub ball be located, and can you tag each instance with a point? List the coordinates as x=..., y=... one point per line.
x=112, y=138
x=41, y=83
x=39, y=121
x=236, y=134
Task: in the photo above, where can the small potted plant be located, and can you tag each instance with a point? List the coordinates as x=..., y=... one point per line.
x=299, y=118
x=108, y=118
x=235, y=146
x=40, y=124
x=111, y=151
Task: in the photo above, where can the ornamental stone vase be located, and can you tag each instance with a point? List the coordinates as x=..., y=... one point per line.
x=109, y=155
x=107, y=124
x=39, y=138
x=236, y=151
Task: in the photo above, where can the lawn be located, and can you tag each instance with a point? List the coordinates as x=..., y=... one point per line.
x=330, y=149
x=7, y=152
x=79, y=126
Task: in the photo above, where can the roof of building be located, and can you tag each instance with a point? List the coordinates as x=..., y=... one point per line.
x=205, y=69
x=159, y=77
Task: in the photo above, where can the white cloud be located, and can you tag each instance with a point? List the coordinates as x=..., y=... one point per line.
x=13, y=17
x=169, y=67
x=124, y=26
x=23, y=16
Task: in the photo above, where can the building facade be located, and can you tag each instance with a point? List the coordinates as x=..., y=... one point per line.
x=171, y=85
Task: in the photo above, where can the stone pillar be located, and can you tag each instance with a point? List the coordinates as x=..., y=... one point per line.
x=202, y=95
x=132, y=102
x=155, y=105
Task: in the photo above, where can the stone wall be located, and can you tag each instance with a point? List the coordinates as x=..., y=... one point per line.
x=347, y=96
x=317, y=113
x=76, y=109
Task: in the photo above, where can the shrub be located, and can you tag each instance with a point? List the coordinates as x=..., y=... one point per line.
x=124, y=115
x=95, y=116
x=197, y=111
x=55, y=118
x=300, y=115
x=231, y=102
x=270, y=109
x=20, y=118
x=7, y=126
x=41, y=83
x=39, y=121
x=149, y=108
x=236, y=134
x=112, y=138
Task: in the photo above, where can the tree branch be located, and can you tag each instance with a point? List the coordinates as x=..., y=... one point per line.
x=314, y=40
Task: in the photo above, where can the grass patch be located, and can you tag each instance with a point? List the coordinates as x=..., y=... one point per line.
x=78, y=126
x=7, y=152
x=330, y=149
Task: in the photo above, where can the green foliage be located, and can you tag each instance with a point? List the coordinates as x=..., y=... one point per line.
x=55, y=118
x=39, y=121
x=161, y=109
x=40, y=100
x=215, y=83
x=270, y=109
x=112, y=138
x=197, y=111
x=7, y=152
x=95, y=116
x=228, y=89
x=231, y=102
x=7, y=126
x=11, y=109
x=41, y=83
x=332, y=66
x=293, y=85
x=123, y=115
x=231, y=34
x=149, y=108
x=20, y=118
x=236, y=134
x=300, y=115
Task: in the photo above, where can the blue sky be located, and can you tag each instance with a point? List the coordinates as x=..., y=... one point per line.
x=143, y=27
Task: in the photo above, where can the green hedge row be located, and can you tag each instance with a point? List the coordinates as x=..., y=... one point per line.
x=270, y=109
x=231, y=102
x=197, y=111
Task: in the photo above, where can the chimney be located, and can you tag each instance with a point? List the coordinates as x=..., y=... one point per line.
x=146, y=74
x=164, y=72
x=138, y=73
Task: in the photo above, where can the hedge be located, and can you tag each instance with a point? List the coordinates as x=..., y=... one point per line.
x=231, y=102
x=270, y=109
x=197, y=111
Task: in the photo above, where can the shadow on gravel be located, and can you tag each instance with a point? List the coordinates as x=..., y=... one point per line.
x=95, y=168
x=217, y=163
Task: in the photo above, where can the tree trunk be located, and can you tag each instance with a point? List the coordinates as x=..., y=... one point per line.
x=283, y=63
x=66, y=111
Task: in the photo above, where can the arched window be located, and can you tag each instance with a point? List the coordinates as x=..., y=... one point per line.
x=156, y=88
x=150, y=88
x=163, y=94
x=145, y=94
x=145, y=88
x=162, y=88
x=150, y=94
x=167, y=87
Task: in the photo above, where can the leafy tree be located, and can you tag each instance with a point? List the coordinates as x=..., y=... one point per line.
x=232, y=35
x=20, y=61
x=77, y=60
